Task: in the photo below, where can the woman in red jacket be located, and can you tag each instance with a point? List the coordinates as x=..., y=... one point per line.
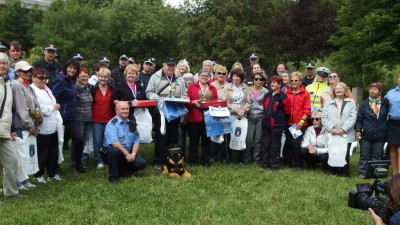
x=300, y=109
x=198, y=92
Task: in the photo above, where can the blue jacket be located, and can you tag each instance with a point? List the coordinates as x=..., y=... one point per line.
x=64, y=91
x=372, y=128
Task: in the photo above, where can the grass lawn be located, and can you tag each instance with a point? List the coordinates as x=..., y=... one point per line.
x=216, y=195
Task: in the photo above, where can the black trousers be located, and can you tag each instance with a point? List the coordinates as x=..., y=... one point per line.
x=72, y=129
x=292, y=149
x=271, y=146
x=47, y=146
x=118, y=166
x=170, y=137
x=196, y=131
x=312, y=160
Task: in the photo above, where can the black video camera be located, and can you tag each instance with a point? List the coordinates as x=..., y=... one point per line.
x=372, y=195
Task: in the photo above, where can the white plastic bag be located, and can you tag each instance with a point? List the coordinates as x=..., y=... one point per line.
x=337, y=149
x=28, y=163
x=217, y=139
x=144, y=124
x=238, y=136
x=283, y=140
x=60, y=134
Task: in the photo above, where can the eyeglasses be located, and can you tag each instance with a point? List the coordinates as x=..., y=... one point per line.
x=220, y=73
x=258, y=79
x=42, y=78
x=333, y=76
x=294, y=81
x=315, y=119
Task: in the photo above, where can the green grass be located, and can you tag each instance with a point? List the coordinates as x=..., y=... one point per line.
x=215, y=195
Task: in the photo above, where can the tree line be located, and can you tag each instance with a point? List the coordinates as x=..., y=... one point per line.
x=358, y=38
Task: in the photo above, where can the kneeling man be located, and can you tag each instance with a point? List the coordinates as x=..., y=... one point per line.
x=121, y=145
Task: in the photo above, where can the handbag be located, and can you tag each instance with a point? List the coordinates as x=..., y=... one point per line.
x=28, y=163
x=171, y=110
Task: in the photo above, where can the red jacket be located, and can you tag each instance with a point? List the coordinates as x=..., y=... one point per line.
x=195, y=114
x=300, y=104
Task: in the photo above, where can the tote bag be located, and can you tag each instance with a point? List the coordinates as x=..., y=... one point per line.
x=337, y=149
x=217, y=125
x=27, y=156
x=239, y=133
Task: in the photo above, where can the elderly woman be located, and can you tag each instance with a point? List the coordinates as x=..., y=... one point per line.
x=393, y=96
x=237, y=95
x=199, y=91
x=254, y=119
x=131, y=89
x=314, y=146
x=65, y=92
x=371, y=126
x=182, y=67
x=102, y=112
x=300, y=109
x=219, y=150
x=8, y=154
x=338, y=117
x=25, y=102
x=285, y=75
x=276, y=109
x=47, y=139
x=327, y=92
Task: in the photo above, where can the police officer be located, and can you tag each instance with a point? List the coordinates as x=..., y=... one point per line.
x=121, y=143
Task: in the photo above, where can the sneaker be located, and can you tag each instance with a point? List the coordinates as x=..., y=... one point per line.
x=56, y=178
x=27, y=184
x=40, y=179
x=100, y=165
x=20, y=186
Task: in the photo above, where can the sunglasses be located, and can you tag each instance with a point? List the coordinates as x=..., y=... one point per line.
x=333, y=76
x=294, y=81
x=310, y=68
x=253, y=59
x=28, y=71
x=219, y=73
x=315, y=119
x=258, y=79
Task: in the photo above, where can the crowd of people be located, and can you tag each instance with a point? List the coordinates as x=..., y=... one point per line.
x=290, y=118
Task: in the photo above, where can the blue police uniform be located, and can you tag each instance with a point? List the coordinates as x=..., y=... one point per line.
x=118, y=130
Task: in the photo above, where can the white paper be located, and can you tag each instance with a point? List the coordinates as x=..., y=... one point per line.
x=295, y=133
x=219, y=112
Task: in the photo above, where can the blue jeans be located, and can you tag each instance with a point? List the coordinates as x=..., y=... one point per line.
x=369, y=151
x=98, y=137
x=83, y=133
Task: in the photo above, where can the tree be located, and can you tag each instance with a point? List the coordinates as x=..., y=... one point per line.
x=301, y=30
x=224, y=31
x=143, y=29
x=73, y=28
x=16, y=23
x=368, y=39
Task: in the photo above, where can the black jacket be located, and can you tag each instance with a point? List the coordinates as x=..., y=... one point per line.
x=372, y=128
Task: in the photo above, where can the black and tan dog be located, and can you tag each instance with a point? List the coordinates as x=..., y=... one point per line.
x=174, y=164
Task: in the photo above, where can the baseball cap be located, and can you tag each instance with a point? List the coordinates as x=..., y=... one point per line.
x=170, y=61
x=23, y=65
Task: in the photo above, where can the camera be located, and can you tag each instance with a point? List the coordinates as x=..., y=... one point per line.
x=371, y=195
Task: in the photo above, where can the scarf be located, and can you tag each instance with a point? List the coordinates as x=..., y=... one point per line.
x=26, y=82
x=374, y=102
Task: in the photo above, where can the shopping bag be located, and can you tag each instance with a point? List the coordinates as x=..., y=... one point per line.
x=171, y=110
x=217, y=125
x=239, y=133
x=28, y=163
x=283, y=140
x=144, y=124
x=337, y=149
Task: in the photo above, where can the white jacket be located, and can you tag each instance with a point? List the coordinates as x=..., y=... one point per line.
x=320, y=142
x=46, y=102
